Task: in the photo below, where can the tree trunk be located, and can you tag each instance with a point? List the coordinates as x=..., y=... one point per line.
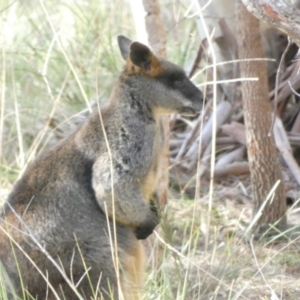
x=282, y=14
x=262, y=153
x=157, y=40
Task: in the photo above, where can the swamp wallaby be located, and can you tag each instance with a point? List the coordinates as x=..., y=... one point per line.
x=64, y=205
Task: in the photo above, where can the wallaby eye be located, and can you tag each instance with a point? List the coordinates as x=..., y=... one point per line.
x=172, y=79
x=177, y=81
x=177, y=77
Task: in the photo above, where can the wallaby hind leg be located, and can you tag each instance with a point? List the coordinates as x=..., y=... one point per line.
x=104, y=282
x=132, y=272
x=103, y=290
x=131, y=268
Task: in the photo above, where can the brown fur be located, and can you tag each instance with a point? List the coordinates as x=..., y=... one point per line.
x=155, y=70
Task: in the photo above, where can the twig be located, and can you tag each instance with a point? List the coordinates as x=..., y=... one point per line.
x=283, y=145
x=196, y=60
x=222, y=114
x=277, y=83
x=190, y=138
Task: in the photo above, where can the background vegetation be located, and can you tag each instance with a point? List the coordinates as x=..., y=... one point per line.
x=57, y=59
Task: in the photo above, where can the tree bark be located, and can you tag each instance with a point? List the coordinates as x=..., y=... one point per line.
x=262, y=154
x=157, y=39
x=280, y=13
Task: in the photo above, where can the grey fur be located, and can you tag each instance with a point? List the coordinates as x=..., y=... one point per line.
x=63, y=196
x=124, y=44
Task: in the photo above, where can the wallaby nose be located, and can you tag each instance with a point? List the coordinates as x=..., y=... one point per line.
x=203, y=99
x=199, y=101
x=201, y=96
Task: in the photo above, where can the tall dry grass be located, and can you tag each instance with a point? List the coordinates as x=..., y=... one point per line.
x=57, y=60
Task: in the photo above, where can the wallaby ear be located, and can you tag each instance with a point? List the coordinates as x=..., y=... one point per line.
x=140, y=55
x=124, y=45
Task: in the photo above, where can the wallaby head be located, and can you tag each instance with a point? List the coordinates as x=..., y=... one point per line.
x=166, y=86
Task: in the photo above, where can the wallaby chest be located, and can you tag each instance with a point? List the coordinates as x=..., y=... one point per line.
x=150, y=180
x=136, y=147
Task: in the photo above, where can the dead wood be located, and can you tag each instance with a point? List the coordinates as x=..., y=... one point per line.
x=236, y=131
x=294, y=138
x=283, y=145
x=226, y=141
x=284, y=77
x=296, y=126
x=192, y=135
x=222, y=114
x=230, y=157
x=286, y=91
x=282, y=14
x=237, y=168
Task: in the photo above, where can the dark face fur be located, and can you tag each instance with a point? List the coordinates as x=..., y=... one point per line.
x=175, y=79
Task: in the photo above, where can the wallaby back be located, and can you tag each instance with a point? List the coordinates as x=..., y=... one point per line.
x=63, y=207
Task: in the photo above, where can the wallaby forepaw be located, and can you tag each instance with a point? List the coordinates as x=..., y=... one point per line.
x=143, y=232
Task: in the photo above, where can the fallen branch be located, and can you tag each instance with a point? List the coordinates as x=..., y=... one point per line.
x=231, y=157
x=236, y=131
x=192, y=136
x=223, y=114
x=283, y=145
x=237, y=168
